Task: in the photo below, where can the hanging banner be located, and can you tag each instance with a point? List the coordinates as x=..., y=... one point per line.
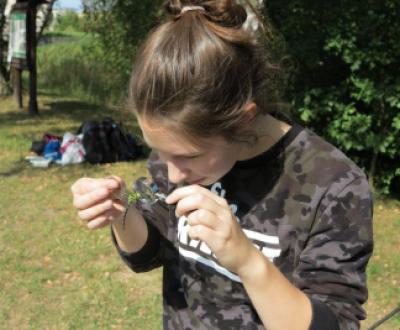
x=17, y=41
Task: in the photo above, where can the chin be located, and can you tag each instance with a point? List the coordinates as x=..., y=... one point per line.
x=208, y=182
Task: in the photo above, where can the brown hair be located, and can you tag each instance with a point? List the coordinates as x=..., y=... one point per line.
x=199, y=68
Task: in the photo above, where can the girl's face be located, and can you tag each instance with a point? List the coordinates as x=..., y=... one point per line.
x=202, y=162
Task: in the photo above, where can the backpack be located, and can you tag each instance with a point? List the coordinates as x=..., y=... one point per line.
x=107, y=142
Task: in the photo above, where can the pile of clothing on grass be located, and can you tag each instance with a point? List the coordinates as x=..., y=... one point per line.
x=96, y=142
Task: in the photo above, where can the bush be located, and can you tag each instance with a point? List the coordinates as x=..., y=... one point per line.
x=346, y=86
x=119, y=27
x=68, y=22
x=76, y=68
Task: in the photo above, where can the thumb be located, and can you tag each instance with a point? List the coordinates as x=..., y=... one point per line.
x=117, y=188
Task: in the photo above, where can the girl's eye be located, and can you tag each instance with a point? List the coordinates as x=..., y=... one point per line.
x=189, y=157
x=192, y=157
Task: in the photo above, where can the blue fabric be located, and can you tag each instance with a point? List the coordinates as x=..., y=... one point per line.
x=52, y=150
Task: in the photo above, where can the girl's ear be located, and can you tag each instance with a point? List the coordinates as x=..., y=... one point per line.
x=250, y=112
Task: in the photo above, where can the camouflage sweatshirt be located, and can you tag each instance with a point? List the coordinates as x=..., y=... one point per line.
x=303, y=203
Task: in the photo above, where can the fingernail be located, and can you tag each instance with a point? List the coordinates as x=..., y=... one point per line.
x=113, y=181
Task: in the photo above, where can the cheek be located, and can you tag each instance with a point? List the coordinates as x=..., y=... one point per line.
x=221, y=164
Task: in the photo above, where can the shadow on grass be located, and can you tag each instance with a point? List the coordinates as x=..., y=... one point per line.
x=17, y=168
x=77, y=111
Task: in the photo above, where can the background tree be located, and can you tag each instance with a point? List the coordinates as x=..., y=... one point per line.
x=70, y=21
x=120, y=25
x=4, y=72
x=346, y=85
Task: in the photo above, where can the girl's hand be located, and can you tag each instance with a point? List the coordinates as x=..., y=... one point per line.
x=211, y=220
x=97, y=200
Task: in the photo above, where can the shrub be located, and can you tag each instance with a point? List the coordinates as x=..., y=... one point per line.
x=76, y=68
x=119, y=27
x=68, y=22
x=346, y=86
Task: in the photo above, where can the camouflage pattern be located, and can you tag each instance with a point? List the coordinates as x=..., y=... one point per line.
x=307, y=194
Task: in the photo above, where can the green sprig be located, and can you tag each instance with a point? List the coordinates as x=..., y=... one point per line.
x=133, y=197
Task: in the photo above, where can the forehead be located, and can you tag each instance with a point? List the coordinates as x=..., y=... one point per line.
x=168, y=138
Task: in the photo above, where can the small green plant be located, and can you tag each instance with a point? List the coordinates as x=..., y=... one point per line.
x=144, y=190
x=133, y=197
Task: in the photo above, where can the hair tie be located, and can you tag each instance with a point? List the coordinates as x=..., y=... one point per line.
x=188, y=8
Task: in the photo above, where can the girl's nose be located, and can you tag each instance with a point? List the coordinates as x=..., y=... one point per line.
x=175, y=174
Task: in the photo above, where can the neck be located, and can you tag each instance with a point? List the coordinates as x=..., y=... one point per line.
x=269, y=131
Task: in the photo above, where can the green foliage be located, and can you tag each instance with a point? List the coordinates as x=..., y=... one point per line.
x=119, y=27
x=70, y=21
x=75, y=67
x=346, y=86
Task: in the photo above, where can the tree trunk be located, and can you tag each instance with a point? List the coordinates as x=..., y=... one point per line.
x=46, y=10
x=17, y=75
x=5, y=88
x=31, y=59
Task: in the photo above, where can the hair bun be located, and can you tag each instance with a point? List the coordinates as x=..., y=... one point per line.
x=223, y=12
x=173, y=7
x=226, y=13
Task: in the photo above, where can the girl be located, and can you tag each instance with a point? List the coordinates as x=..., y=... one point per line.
x=265, y=224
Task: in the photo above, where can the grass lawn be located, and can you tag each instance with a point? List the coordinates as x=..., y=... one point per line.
x=56, y=274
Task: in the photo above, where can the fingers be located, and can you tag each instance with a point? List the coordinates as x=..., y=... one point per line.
x=85, y=185
x=204, y=208
x=202, y=217
x=195, y=202
x=82, y=202
x=203, y=225
x=99, y=222
x=102, y=214
x=119, y=191
x=94, y=200
x=208, y=215
x=185, y=191
x=200, y=233
x=94, y=211
x=216, y=240
x=87, y=192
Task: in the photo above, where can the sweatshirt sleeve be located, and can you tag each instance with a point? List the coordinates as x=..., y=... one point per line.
x=332, y=266
x=148, y=257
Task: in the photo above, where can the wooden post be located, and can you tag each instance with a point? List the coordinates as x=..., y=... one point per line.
x=17, y=74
